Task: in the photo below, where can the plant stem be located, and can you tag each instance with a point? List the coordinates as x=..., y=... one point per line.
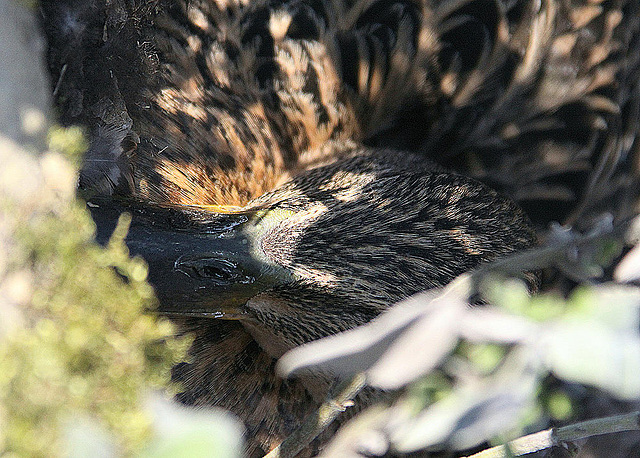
x=338, y=401
x=556, y=436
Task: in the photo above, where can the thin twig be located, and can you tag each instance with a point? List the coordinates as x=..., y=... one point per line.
x=556, y=436
x=555, y=253
x=338, y=401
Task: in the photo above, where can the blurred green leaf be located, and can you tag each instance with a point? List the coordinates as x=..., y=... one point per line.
x=84, y=437
x=559, y=405
x=508, y=294
x=614, y=306
x=489, y=324
x=628, y=269
x=485, y=357
x=189, y=433
x=69, y=141
x=591, y=354
x=363, y=435
x=435, y=333
x=474, y=411
x=76, y=338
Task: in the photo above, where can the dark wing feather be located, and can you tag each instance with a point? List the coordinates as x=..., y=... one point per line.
x=218, y=102
x=539, y=99
x=99, y=68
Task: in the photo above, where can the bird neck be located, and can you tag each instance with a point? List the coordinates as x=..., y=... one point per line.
x=228, y=367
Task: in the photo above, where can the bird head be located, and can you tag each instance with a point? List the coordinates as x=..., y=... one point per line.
x=328, y=250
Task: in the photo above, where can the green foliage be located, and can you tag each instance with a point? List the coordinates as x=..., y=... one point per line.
x=491, y=384
x=70, y=141
x=76, y=342
x=186, y=433
x=559, y=405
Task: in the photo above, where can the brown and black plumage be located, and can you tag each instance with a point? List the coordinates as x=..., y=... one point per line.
x=316, y=118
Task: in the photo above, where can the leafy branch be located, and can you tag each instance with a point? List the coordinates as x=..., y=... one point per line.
x=592, y=339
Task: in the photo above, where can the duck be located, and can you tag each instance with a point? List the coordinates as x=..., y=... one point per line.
x=294, y=168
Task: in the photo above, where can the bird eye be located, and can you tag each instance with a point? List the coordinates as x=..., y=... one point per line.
x=219, y=271
x=213, y=272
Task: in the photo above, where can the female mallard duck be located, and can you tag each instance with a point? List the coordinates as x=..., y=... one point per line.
x=258, y=145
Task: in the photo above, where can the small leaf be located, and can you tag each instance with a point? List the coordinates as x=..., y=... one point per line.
x=632, y=235
x=420, y=348
x=360, y=349
x=593, y=355
x=473, y=412
x=363, y=435
x=184, y=432
x=612, y=306
x=484, y=357
x=509, y=294
x=629, y=268
x=559, y=405
x=488, y=324
x=84, y=436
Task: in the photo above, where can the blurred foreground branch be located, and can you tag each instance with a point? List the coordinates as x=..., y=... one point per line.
x=465, y=374
x=338, y=401
x=558, y=436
